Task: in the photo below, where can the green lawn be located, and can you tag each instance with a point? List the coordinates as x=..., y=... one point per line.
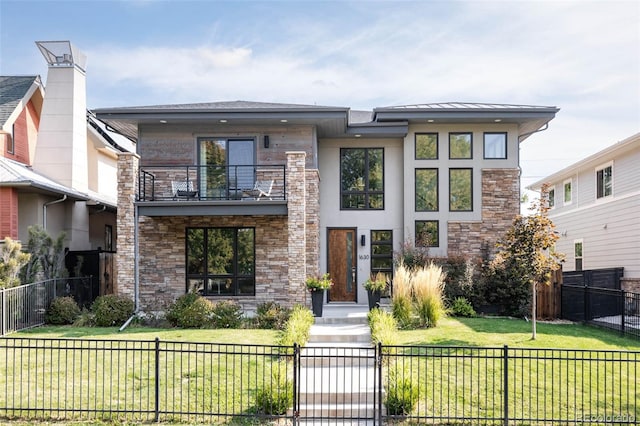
x=243, y=336
x=516, y=333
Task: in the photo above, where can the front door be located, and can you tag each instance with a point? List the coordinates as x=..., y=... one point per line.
x=341, y=264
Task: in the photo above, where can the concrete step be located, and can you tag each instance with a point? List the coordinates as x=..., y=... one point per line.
x=329, y=355
x=345, y=333
x=337, y=398
x=356, y=319
x=337, y=379
x=338, y=411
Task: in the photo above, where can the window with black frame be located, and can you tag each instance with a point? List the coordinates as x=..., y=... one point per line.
x=362, y=179
x=382, y=254
x=221, y=261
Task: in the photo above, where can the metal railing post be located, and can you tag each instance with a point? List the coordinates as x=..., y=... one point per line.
x=506, y=384
x=157, y=384
x=3, y=317
x=622, y=306
x=380, y=387
x=296, y=401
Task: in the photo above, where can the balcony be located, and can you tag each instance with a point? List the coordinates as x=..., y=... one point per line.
x=194, y=190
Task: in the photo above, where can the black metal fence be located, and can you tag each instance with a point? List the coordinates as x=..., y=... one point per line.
x=604, y=307
x=24, y=306
x=43, y=379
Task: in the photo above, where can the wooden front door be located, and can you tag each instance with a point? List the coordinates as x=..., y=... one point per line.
x=341, y=264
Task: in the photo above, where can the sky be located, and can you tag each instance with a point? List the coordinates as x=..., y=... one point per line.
x=581, y=56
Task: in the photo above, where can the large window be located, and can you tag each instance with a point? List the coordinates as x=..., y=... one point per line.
x=426, y=190
x=495, y=145
x=362, y=179
x=460, y=146
x=226, y=166
x=604, y=181
x=426, y=146
x=460, y=190
x=427, y=233
x=221, y=261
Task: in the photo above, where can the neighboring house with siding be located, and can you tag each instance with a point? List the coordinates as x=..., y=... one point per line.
x=595, y=205
x=58, y=163
x=344, y=189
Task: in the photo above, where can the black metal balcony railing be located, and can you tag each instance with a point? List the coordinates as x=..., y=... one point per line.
x=211, y=183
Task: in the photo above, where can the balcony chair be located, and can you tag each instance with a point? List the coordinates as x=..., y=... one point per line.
x=262, y=188
x=183, y=189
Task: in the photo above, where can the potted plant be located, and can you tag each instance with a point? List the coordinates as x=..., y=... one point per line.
x=317, y=287
x=375, y=286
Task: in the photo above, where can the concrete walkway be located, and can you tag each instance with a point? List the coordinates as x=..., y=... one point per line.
x=338, y=370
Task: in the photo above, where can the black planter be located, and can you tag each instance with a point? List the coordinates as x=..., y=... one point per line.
x=317, y=299
x=374, y=298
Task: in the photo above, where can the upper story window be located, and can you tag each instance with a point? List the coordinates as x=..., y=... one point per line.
x=427, y=190
x=460, y=189
x=495, y=145
x=426, y=146
x=362, y=178
x=567, y=192
x=460, y=146
x=221, y=261
x=604, y=181
x=11, y=140
x=552, y=197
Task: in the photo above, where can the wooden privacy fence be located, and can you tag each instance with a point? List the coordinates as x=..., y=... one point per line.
x=549, y=298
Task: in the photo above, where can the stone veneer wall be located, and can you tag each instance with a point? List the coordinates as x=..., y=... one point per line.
x=297, y=221
x=313, y=222
x=500, y=204
x=128, y=164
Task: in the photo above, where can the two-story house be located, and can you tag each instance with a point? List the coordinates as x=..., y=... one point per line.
x=595, y=205
x=58, y=163
x=244, y=200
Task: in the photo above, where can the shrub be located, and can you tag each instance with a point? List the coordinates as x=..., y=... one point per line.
x=112, y=309
x=401, y=296
x=226, y=314
x=402, y=393
x=85, y=319
x=276, y=396
x=428, y=287
x=504, y=286
x=383, y=327
x=271, y=315
x=297, y=327
x=459, y=276
x=461, y=307
x=411, y=256
x=190, y=311
x=63, y=310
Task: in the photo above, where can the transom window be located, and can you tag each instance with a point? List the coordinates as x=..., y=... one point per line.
x=495, y=145
x=362, y=178
x=426, y=190
x=221, y=261
x=427, y=232
x=604, y=181
x=426, y=146
x=460, y=189
x=460, y=146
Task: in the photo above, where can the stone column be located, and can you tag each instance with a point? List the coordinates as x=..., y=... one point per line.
x=128, y=164
x=296, y=247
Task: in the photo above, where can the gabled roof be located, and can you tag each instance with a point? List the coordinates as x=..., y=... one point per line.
x=630, y=143
x=331, y=121
x=14, y=91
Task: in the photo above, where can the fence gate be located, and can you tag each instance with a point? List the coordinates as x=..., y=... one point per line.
x=338, y=385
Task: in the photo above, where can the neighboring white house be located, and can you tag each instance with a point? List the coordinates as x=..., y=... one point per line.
x=595, y=205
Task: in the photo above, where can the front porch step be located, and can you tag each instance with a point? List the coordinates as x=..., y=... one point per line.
x=321, y=355
x=347, y=380
x=339, y=333
x=338, y=411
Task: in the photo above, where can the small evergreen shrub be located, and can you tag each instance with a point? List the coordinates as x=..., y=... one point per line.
x=461, y=307
x=383, y=327
x=63, y=310
x=270, y=315
x=190, y=311
x=112, y=309
x=297, y=327
x=226, y=314
x=401, y=392
x=276, y=395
